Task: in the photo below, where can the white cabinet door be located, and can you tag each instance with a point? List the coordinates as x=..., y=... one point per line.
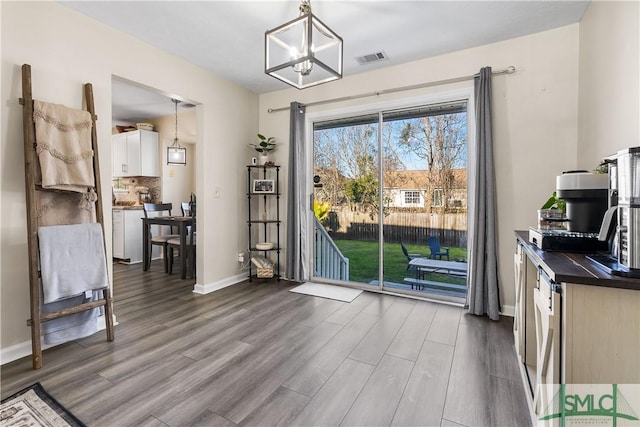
x=149, y=164
x=135, y=154
x=518, y=321
x=118, y=234
x=127, y=235
x=133, y=235
x=119, y=155
x=548, y=324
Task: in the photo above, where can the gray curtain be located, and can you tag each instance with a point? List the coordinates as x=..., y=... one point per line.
x=297, y=203
x=483, y=294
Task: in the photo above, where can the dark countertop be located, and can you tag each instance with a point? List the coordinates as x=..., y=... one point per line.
x=572, y=267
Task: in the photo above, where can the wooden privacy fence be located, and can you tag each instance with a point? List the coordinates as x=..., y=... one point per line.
x=413, y=228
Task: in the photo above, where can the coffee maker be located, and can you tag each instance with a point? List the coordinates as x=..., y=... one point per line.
x=621, y=224
x=585, y=198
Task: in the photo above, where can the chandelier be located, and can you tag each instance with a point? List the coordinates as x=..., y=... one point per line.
x=303, y=52
x=176, y=154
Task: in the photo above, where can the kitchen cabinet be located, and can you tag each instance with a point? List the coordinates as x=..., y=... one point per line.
x=574, y=324
x=127, y=235
x=135, y=153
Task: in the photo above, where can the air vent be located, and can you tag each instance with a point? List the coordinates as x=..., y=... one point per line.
x=372, y=57
x=188, y=105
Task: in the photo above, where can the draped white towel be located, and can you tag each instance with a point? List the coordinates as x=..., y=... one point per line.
x=63, y=144
x=72, y=260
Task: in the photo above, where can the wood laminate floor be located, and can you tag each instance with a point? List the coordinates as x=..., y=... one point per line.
x=254, y=354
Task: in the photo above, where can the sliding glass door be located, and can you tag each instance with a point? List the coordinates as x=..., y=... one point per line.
x=390, y=200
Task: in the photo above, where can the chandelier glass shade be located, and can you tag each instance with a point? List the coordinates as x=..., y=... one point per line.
x=303, y=52
x=176, y=154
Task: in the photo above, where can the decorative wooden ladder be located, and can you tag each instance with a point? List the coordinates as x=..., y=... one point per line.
x=37, y=316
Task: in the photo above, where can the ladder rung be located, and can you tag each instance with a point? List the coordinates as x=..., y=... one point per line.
x=68, y=311
x=39, y=187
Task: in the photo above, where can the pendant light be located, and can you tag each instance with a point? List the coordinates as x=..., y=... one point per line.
x=176, y=154
x=303, y=52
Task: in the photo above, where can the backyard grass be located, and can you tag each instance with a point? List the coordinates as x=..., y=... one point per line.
x=363, y=261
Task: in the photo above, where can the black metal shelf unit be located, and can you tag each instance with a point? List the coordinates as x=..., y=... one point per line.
x=263, y=183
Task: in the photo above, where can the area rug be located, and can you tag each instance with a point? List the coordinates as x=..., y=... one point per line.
x=327, y=291
x=34, y=407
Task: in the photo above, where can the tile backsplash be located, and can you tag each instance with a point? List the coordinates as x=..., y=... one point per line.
x=124, y=189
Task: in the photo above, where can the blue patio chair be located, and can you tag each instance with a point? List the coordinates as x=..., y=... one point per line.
x=410, y=256
x=437, y=251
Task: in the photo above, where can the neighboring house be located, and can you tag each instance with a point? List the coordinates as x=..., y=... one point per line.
x=419, y=189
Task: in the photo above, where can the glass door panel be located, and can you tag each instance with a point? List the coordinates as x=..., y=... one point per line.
x=345, y=231
x=424, y=187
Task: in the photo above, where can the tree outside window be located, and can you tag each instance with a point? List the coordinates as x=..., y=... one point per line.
x=437, y=197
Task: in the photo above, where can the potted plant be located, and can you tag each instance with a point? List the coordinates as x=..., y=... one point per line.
x=264, y=147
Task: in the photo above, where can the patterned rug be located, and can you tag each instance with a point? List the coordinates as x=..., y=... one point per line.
x=34, y=407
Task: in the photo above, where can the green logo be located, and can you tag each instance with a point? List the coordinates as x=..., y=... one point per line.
x=584, y=408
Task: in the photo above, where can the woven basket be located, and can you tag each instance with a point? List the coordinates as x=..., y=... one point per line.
x=265, y=273
x=144, y=126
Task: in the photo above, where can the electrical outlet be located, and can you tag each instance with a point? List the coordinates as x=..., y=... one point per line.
x=240, y=257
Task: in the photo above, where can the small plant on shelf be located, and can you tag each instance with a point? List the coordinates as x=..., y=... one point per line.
x=265, y=146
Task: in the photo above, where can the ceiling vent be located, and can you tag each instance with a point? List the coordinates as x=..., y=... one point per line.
x=372, y=57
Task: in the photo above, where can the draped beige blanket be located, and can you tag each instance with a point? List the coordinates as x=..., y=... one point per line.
x=63, y=144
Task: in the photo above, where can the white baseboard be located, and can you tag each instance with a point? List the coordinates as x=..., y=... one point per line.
x=508, y=310
x=18, y=351
x=220, y=284
x=23, y=349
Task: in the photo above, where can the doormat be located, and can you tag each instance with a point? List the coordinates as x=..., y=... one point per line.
x=327, y=291
x=33, y=406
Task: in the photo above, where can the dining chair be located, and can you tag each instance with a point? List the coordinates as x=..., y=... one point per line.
x=190, y=249
x=187, y=211
x=186, y=208
x=160, y=239
x=436, y=250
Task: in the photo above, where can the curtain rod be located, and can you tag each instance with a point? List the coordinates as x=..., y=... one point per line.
x=509, y=70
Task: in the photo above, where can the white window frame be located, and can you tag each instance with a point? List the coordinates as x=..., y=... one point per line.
x=414, y=195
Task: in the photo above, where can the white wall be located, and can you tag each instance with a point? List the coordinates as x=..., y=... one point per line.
x=178, y=182
x=609, y=94
x=535, y=118
x=65, y=50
